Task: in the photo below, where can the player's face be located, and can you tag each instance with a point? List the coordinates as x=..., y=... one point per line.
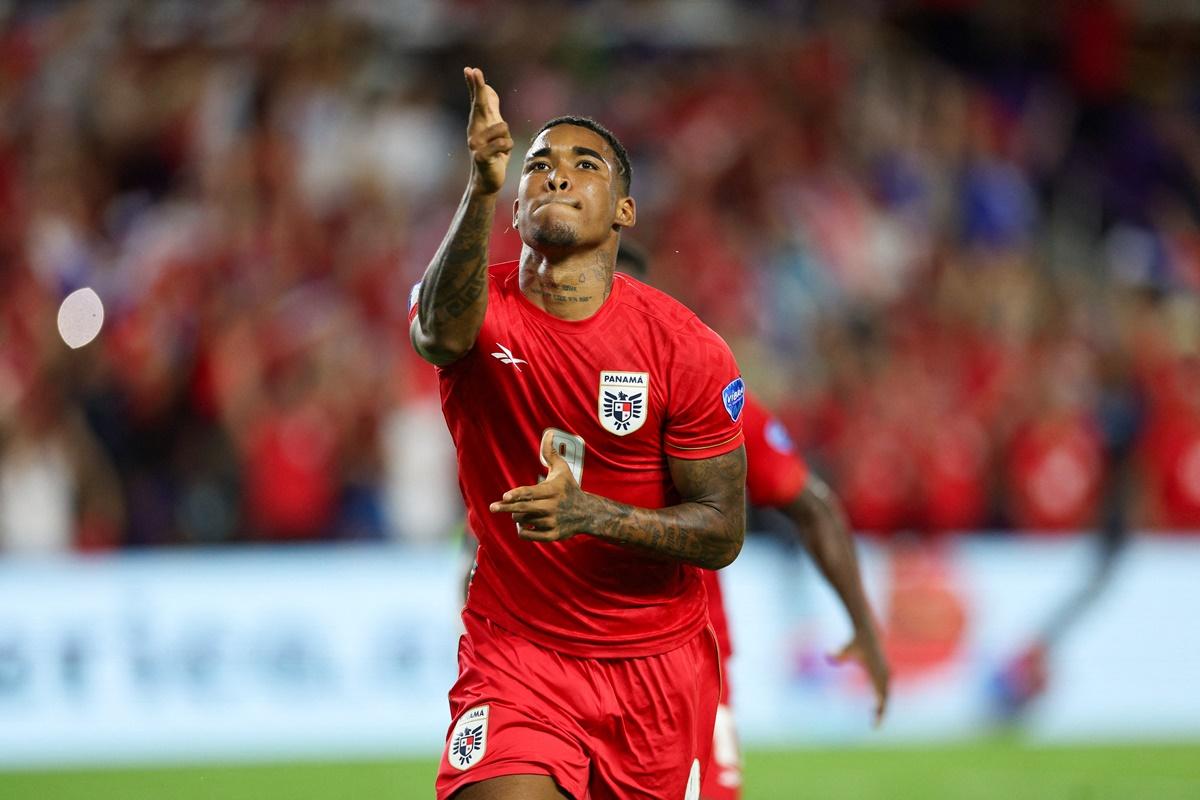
x=570, y=193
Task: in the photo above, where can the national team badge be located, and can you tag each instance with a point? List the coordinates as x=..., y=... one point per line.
x=623, y=400
x=468, y=742
x=734, y=397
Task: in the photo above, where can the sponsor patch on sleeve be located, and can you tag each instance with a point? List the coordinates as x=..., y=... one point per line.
x=734, y=397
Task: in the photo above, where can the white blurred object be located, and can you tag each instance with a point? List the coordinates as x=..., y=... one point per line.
x=423, y=501
x=80, y=317
x=36, y=495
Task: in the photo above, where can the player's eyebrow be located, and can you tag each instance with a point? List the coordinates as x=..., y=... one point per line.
x=578, y=150
x=587, y=151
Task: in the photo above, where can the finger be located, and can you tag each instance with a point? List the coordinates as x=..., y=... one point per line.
x=538, y=517
x=843, y=655
x=548, y=451
x=554, y=460
x=491, y=136
x=525, y=499
x=489, y=102
x=518, y=507
x=469, y=77
x=494, y=130
x=484, y=103
x=537, y=533
x=492, y=149
x=881, y=701
x=525, y=494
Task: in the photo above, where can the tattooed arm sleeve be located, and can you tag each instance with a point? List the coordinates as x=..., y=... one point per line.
x=453, y=294
x=706, y=529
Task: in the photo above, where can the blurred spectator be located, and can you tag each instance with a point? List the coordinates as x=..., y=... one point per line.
x=920, y=229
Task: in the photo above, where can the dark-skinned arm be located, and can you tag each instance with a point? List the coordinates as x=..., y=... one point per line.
x=818, y=516
x=706, y=529
x=453, y=297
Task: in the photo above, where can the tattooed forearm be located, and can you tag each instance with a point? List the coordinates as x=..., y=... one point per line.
x=690, y=532
x=706, y=530
x=453, y=297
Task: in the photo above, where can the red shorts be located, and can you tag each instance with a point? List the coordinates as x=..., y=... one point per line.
x=628, y=728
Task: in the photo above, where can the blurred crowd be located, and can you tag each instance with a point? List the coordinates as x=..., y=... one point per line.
x=955, y=244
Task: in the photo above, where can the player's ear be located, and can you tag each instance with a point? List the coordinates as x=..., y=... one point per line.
x=626, y=213
x=516, y=205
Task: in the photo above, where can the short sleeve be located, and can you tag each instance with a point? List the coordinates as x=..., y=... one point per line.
x=775, y=472
x=496, y=274
x=704, y=408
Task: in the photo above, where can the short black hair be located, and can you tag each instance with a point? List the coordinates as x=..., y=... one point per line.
x=624, y=170
x=632, y=259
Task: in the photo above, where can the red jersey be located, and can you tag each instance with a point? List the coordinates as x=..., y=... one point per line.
x=775, y=475
x=639, y=380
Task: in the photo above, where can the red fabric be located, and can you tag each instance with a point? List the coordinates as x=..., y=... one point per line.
x=290, y=491
x=723, y=777
x=953, y=476
x=1097, y=36
x=585, y=596
x=877, y=477
x=775, y=476
x=716, y=612
x=602, y=728
x=1172, y=466
x=775, y=473
x=1054, y=472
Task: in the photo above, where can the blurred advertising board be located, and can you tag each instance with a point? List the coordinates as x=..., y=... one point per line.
x=956, y=617
x=330, y=652
x=235, y=654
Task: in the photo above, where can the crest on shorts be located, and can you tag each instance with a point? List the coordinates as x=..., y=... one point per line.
x=468, y=740
x=623, y=401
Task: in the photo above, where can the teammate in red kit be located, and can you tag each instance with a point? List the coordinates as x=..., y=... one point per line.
x=777, y=477
x=604, y=420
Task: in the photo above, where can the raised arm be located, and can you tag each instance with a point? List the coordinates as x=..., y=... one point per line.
x=453, y=295
x=706, y=529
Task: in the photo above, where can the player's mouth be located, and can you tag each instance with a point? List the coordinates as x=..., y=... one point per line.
x=561, y=201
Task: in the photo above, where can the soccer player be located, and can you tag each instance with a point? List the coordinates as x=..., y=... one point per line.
x=777, y=477
x=598, y=430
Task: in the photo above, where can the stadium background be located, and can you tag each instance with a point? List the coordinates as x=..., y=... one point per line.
x=953, y=243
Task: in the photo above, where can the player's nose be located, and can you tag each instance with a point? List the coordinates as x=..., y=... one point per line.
x=557, y=181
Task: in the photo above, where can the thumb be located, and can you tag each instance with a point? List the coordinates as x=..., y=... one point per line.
x=843, y=655
x=550, y=457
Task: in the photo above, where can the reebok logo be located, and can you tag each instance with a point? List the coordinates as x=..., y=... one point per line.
x=506, y=357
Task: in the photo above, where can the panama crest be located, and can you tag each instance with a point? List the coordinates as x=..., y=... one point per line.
x=623, y=399
x=468, y=743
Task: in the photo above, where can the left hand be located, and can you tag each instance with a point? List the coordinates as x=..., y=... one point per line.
x=864, y=648
x=551, y=511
